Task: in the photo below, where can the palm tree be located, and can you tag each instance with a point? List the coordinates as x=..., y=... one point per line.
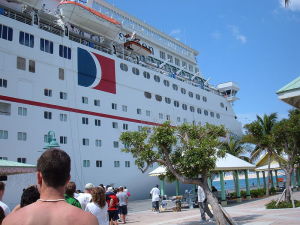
x=259, y=133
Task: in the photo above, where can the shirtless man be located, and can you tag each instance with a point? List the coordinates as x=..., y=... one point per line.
x=53, y=174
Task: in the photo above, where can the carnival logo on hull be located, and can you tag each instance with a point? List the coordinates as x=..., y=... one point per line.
x=96, y=71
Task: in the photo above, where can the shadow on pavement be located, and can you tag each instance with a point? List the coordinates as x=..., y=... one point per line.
x=246, y=218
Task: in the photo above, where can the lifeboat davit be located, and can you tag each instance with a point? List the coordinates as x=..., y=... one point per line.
x=136, y=47
x=92, y=20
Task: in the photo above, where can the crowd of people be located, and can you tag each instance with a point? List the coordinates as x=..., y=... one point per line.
x=55, y=199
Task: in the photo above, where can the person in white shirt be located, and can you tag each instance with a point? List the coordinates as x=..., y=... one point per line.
x=123, y=201
x=203, y=204
x=86, y=197
x=2, y=204
x=155, y=194
x=98, y=207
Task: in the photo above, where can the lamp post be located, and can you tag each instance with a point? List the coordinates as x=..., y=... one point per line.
x=51, y=141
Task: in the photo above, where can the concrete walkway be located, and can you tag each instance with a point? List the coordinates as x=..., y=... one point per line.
x=251, y=212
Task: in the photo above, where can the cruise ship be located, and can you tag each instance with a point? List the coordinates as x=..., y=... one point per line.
x=89, y=71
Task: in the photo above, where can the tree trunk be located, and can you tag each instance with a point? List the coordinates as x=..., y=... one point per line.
x=288, y=184
x=218, y=214
x=269, y=175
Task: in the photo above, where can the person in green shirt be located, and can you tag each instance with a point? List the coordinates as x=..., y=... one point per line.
x=69, y=195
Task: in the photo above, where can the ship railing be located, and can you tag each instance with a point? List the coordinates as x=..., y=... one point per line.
x=47, y=27
x=16, y=16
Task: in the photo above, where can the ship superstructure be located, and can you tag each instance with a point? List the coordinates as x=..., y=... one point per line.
x=89, y=71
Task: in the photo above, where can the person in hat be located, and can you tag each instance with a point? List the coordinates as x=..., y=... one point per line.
x=86, y=197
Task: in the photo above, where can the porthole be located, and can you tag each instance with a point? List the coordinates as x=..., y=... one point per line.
x=191, y=94
x=158, y=98
x=175, y=87
x=147, y=94
x=183, y=91
x=184, y=106
x=135, y=71
x=124, y=67
x=197, y=96
x=205, y=112
x=199, y=111
x=167, y=100
x=146, y=75
x=157, y=78
x=166, y=83
x=176, y=104
x=192, y=108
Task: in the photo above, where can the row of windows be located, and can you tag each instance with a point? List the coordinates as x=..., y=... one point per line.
x=156, y=78
x=6, y=32
x=21, y=136
x=87, y=163
x=21, y=64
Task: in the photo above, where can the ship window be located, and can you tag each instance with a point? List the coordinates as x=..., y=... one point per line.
x=61, y=73
x=124, y=108
x=147, y=94
x=124, y=67
x=197, y=96
x=3, y=134
x=139, y=111
x=97, y=122
x=127, y=164
x=146, y=75
x=64, y=52
x=125, y=126
x=192, y=108
x=21, y=63
x=177, y=62
x=158, y=98
x=184, y=64
x=147, y=112
x=222, y=104
x=96, y=102
x=63, y=95
x=48, y=92
x=6, y=32
x=114, y=106
x=85, y=141
x=175, y=87
x=63, y=140
x=98, y=143
x=183, y=91
x=162, y=55
x=116, y=163
x=167, y=100
x=47, y=115
x=3, y=158
x=115, y=125
x=22, y=111
x=184, y=120
x=84, y=100
x=85, y=120
x=21, y=160
x=204, y=99
x=184, y=106
x=98, y=163
x=3, y=83
x=135, y=71
x=199, y=111
x=26, y=39
x=166, y=83
x=170, y=58
x=157, y=78
x=205, y=112
x=191, y=94
x=116, y=144
x=86, y=163
x=190, y=68
x=218, y=116
x=46, y=46
x=168, y=117
x=22, y=136
x=31, y=66
x=160, y=116
x=212, y=114
x=63, y=117
x=176, y=104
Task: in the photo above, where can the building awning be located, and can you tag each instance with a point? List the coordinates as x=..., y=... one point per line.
x=11, y=168
x=273, y=166
x=290, y=93
x=228, y=163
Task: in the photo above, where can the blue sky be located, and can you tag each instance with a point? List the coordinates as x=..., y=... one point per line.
x=255, y=43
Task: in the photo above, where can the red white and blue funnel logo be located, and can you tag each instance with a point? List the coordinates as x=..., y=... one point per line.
x=96, y=71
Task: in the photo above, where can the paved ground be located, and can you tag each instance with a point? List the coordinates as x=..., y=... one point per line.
x=250, y=212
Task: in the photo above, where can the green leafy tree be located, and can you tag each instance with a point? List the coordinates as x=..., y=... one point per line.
x=259, y=133
x=287, y=142
x=186, y=151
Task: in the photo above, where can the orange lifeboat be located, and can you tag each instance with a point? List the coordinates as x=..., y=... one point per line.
x=135, y=46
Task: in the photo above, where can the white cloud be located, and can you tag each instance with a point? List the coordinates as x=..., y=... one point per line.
x=294, y=5
x=236, y=33
x=216, y=35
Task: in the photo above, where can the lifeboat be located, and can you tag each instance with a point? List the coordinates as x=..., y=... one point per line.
x=136, y=47
x=83, y=16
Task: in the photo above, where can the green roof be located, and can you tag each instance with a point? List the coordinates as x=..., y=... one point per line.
x=6, y=163
x=11, y=168
x=295, y=84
